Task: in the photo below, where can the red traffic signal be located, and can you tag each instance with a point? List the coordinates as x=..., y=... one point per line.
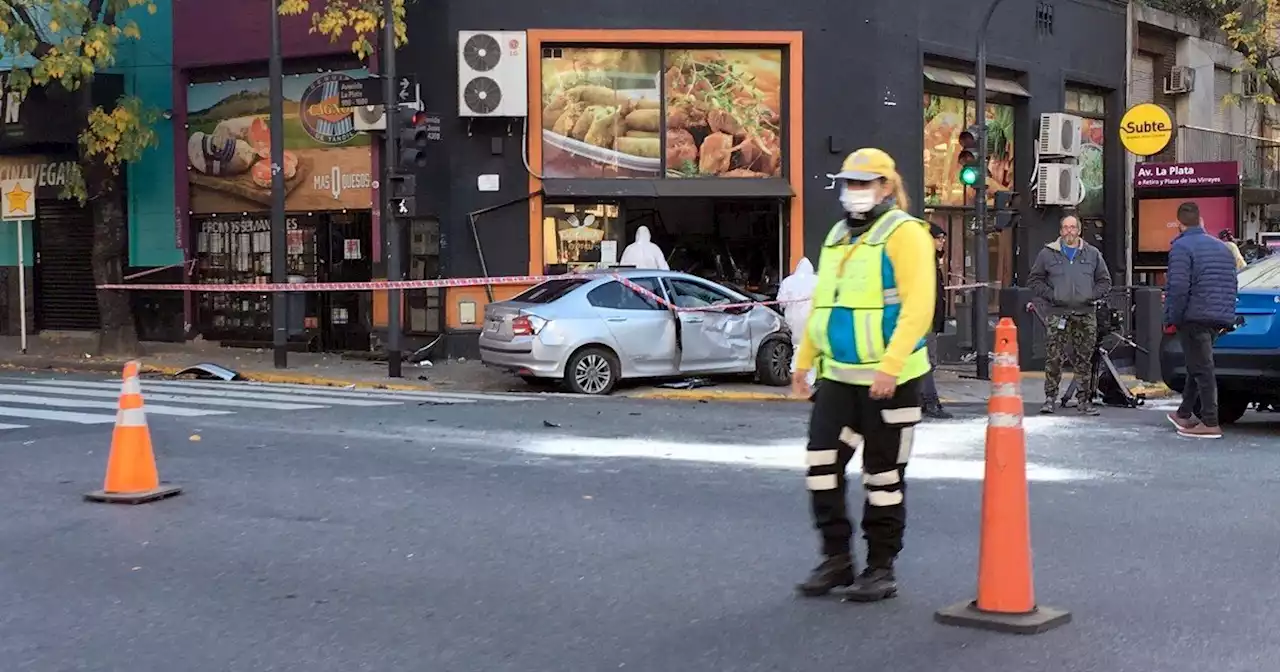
x=968, y=145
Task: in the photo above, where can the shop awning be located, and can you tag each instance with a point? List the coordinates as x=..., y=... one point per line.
x=669, y=188
x=966, y=81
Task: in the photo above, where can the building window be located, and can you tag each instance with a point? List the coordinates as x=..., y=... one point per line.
x=650, y=113
x=944, y=118
x=1092, y=107
x=581, y=236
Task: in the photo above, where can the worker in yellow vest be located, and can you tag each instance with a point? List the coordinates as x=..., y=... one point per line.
x=865, y=339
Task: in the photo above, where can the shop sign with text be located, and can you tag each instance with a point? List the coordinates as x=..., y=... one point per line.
x=1186, y=175
x=327, y=164
x=51, y=175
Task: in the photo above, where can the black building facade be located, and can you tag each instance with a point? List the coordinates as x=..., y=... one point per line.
x=894, y=74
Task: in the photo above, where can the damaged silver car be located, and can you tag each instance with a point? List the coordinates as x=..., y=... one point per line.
x=591, y=331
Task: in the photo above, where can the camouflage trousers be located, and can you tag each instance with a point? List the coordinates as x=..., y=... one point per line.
x=1075, y=336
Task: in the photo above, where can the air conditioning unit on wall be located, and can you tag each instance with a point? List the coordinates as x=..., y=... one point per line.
x=1060, y=134
x=1058, y=184
x=493, y=74
x=1181, y=79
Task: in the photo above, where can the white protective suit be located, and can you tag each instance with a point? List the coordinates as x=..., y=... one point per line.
x=643, y=253
x=797, y=289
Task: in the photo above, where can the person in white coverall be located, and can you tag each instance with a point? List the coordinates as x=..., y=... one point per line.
x=796, y=296
x=643, y=253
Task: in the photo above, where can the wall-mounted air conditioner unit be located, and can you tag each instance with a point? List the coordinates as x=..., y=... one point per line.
x=370, y=118
x=1060, y=134
x=1181, y=79
x=493, y=74
x=1058, y=184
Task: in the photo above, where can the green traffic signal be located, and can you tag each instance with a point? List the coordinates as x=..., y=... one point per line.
x=969, y=175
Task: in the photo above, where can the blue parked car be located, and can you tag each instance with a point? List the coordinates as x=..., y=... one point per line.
x=1246, y=360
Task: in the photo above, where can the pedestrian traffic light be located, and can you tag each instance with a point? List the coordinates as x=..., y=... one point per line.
x=1006, y=210
x=968, y=156
x=412, y=135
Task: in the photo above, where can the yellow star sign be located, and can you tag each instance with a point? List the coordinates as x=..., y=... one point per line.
x=17, y=199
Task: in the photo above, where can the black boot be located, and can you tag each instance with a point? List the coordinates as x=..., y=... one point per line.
x=934, y=410
x=835, y=572
x=872, y=585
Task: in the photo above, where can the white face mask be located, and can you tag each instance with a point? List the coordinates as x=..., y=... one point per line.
x=858, y=201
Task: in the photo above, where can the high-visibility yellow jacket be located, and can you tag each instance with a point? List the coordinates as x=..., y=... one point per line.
x=874, y=302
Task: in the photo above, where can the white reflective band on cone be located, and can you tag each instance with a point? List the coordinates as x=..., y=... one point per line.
x=1005, y=420
x=906, y=438
x=882, y=478
x=131, y=386
x=1006, y=390
x=131, y=417
x=881, y=498
x=823, y=482
x=820, y=458
x=1005, y=359
x=901, y=416
x=850, y=438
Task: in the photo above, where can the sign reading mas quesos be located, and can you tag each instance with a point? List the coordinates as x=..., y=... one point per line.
x=327, y=164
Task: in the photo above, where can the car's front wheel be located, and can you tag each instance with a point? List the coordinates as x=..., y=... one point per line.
x=773, y=362
x=592, y=370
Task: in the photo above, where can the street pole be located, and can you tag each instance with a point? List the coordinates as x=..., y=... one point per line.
x=22, y=284
x=279, y=241
x=981, y=342
x=391, y=158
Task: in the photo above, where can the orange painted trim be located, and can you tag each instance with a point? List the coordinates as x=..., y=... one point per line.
x=791, y=40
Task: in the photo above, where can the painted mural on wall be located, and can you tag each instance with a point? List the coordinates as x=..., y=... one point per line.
x=327, y=164
x=944, y=118
x=1092, y=171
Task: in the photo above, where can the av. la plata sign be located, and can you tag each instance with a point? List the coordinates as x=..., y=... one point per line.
x=1146, y=129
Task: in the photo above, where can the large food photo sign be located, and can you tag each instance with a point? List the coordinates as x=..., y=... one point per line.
x=649, y=113
x=327, y=164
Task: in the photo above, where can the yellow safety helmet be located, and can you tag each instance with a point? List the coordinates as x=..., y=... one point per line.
x=865, y=165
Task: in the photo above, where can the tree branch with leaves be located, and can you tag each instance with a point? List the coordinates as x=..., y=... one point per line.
x=360, y=21
x=1250, y=27
x=67, y=44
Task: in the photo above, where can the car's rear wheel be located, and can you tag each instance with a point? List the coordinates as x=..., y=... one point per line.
x=773, y=362
x=592, y=370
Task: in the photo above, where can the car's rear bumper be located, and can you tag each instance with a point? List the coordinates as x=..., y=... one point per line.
x=1255, y=373
x=529, y=357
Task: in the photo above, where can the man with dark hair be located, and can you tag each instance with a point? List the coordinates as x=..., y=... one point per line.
x=1200, y=301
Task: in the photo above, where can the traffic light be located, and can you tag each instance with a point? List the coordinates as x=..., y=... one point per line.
x=1006, y=210
x=412, y=135
x=968, y=156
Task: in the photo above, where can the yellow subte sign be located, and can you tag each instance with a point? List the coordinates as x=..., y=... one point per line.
x=1146, y=129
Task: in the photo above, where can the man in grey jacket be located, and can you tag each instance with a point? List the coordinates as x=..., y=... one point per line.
x=1068, y=276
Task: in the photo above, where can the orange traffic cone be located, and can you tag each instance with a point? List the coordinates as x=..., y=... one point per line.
x=131, y=468
x=1006, y=593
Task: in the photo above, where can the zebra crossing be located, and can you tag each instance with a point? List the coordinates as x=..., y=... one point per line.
x=27, y=402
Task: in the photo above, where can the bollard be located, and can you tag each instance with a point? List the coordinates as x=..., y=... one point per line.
x=1006, y=592
x=1148, y=324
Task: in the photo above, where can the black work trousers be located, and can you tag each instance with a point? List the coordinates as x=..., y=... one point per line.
x=1197, y=350
x=845, y=417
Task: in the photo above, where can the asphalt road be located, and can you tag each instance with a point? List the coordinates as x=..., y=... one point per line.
x=557, y=534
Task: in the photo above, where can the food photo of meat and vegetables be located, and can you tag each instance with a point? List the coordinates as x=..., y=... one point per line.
x=620, y=112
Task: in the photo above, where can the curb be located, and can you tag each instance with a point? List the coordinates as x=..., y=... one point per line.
x=277, y=377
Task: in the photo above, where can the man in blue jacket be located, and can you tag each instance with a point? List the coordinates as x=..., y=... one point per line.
x=1200, y=301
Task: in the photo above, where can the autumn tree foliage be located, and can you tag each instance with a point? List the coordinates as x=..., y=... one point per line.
x=1250, y=27
x=359, y=21
x=67, y=43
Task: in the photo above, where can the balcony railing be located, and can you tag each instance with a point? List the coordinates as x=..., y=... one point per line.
x=1259, y=157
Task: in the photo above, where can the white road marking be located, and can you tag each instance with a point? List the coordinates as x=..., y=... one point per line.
x=59, y=416
x=107, y=405
x=72, y=391
x=943, y=451
x=234, y=394
x=319, y=390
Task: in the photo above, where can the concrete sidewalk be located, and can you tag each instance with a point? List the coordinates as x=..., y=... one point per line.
x=71, y=354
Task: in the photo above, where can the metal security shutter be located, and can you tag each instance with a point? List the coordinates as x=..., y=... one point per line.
x=65, y=297
x=1142, y=80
